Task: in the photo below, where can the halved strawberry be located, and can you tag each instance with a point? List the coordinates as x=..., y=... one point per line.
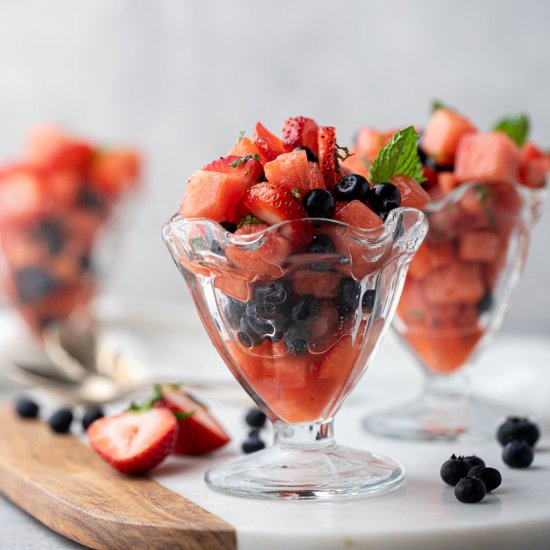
x=270, y=145
x=273, y=203
x=326, y=140
x=300, y=131
x=199, y=432
x=75, y=155
x=134, y=441
x=250, y=169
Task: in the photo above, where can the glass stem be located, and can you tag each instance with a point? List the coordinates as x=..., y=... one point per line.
x=449, y=388
x=309, y=435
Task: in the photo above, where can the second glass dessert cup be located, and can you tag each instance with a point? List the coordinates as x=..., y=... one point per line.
x=298, y=329
x=454, y=300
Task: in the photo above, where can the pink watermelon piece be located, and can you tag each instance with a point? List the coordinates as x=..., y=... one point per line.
x=487, y=156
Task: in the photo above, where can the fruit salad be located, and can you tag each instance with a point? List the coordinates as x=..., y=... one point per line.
x=297, y=256
x=483, y=186
x=54, y=204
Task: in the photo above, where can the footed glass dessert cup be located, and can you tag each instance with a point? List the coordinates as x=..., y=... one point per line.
x=53, y=253
x=297, y=325
x=454, y=299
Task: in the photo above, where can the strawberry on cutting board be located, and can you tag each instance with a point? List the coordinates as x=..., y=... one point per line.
x=134, y=441
x=199, y=432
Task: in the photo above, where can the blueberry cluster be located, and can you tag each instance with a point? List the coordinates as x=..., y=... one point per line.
x=276, y=313
x=470, y=477
x=381, y=198
x=255, y=420
x=518, y=436
x=60, y=421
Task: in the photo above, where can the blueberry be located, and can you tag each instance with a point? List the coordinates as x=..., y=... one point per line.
x=279, y=326
x=368, y=300
x=61, y=420
x=490, y=476
x=383, y=198
x=255, y=418
x=473, y=460
x=485, y=303
x=86, y=262
x=311, y=156
x=517, y=427
x=347, y=299
x=453, y=470
x=252, y=444
x=518, y=454
x=26, y=408
x=305, y=309
x=297, y=339
x=234, y=311
x=272, y=299
x=91, y=414
x=319, y=203
x=52, y=234
x=229, y=226
x=470, y=490
x=321, y=244
x=352, y=187
x=90, y=199
x=429, y=162
x=248, y=337
x=34, y=283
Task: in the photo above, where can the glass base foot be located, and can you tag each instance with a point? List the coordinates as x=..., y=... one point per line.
x=332, y=472
x=431, y=418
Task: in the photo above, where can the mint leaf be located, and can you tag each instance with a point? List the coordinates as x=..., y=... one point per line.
x=238, y=162
x=436, y=104
x=398, y=156
x=515, y=127
x=251, y=220
x=182, y=415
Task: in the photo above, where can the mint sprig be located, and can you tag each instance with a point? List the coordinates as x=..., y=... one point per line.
x=398, y=156
x=238, y=162
x=515, y=127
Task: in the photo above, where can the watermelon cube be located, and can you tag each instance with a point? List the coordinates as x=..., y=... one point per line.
x=455, y=283
x=444, y=131
x=213, y=195
x=487, y=156
x=357, y=214
x=292, y=170
x=478, y=246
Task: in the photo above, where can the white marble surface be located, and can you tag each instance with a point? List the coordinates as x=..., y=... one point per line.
x=421, y=514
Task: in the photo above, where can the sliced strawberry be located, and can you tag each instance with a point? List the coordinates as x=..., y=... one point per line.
x=300, y=131
x=199, y=432
x=270, y=145
x=133, y=442
x=273, y=203
x=75, y=155
x=250, y=169
x=326, y=140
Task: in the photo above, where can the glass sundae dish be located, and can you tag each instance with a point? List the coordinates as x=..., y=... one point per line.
x=295, y=295
x=56, y=206
x=487, y=194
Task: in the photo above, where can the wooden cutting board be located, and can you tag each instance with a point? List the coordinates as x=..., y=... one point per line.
x=66, y=486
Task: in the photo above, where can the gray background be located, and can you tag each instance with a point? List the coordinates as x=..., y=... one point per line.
x=180, y=78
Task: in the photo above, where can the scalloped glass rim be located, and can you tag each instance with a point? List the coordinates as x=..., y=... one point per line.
x=528, y=193
x=373, y=235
